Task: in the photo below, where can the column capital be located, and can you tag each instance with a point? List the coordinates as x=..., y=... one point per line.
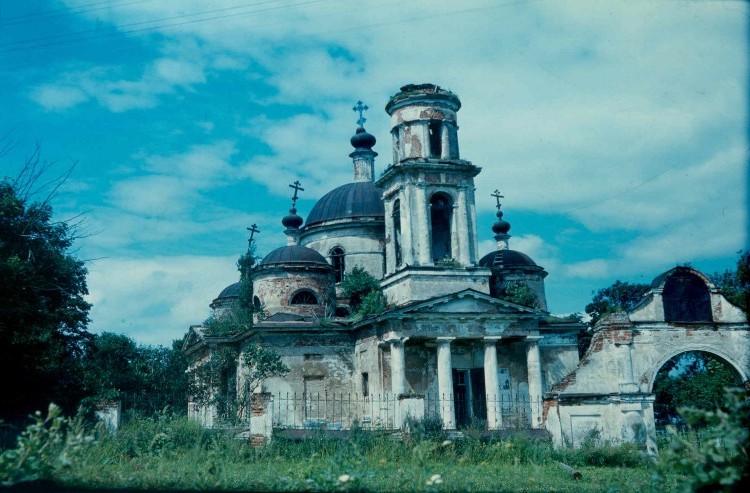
x=533, y=339
x=445, y=339
x=491, y=339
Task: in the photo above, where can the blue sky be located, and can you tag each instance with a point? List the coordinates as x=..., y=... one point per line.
x=617, y=131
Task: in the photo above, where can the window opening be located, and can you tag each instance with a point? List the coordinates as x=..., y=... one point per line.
x=304, y=297
x=257, y=306
x=365, y=384
x=435, y=141
x=441, y=209
x=338, y=263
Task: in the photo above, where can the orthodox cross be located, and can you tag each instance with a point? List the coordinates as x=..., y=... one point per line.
x=361, y=107
x=497, y=196
x=296, y=186
x=253, y=229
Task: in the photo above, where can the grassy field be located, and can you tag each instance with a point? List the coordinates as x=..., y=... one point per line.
x=174, y=453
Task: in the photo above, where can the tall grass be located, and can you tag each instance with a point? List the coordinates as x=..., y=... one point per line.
x=175, y=453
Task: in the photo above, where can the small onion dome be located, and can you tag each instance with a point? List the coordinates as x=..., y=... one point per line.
x=292, y=220
x=500, y=226
x=294, y=254
x=362, y=140
x=359, y=199
x=502, y=259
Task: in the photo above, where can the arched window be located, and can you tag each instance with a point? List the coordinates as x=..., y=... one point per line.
x=304, y=297
x=686, y=299
x=397, y=230
x=337, y=261
x=257, y=305
x=435, y=142
x=441, y=211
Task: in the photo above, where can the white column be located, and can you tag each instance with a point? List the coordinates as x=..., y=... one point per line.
x=473, y=227
x=534, y=370
x=390, y=232
x=398, y=367
x=423, y=243
x=445, y=382
x=424, y=134
x=463, y=227
x=407, y=223
x=445, y=141
x=491, y=383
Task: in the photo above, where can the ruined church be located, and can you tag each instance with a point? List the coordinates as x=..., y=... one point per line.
x=448, y=346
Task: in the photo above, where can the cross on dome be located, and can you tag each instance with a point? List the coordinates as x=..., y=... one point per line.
x=360, y=108
x=497, y=196
x=253, y=229
x=297, y=187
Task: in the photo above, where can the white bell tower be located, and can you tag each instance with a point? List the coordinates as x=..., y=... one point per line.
x=430, y=216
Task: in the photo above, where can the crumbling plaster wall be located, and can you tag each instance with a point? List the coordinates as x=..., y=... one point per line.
x=275, y=288
x=362, y=242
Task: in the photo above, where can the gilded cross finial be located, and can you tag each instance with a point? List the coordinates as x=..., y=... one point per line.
x=253, y=229
x=361, y=107
x=497, y=196
x=297, y=187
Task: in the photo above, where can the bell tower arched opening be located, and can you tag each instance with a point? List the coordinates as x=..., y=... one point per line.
x=441, y=215
x=397, y=243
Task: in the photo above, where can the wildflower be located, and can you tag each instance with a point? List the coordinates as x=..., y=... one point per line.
x=344, y=478
x=434, y=479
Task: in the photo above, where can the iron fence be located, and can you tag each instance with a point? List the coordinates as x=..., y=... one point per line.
x=388, y=411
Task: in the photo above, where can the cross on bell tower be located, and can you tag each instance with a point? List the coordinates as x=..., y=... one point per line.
x=360, y=107
x=253, y=229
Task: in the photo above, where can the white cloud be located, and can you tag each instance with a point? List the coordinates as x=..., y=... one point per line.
x=57, y=98
x=155, y=299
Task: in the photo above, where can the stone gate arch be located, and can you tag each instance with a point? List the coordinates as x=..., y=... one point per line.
x=736, y=366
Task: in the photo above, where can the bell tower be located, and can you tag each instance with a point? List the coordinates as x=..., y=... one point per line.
x=430, y=216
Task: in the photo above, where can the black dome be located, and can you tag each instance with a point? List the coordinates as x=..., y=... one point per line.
x=362, y=139
x=351, y=200
x=294, y=254
x=501, y=259
x=231, y=291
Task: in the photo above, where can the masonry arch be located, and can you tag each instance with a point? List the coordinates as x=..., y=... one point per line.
x=691, y=378
x=338, y=262
x=304, y=297
x=699, y=348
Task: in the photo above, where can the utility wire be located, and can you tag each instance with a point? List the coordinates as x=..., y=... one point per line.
x=62, y=12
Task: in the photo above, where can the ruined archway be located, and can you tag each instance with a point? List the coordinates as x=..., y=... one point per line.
x=694, y=378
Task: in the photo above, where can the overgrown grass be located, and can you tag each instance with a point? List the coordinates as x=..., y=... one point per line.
x=174, y=453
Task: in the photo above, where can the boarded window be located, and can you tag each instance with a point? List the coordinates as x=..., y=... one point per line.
x=686, y=299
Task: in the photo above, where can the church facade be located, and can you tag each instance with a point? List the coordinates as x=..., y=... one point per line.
x=448, y=345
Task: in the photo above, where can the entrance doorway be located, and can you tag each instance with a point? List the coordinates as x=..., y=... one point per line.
x=469, y=396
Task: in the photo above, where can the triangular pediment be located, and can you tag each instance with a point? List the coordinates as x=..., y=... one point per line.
x=467, y=302
x=194, y=336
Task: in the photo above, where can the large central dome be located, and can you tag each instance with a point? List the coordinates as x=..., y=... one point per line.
x=353, y=200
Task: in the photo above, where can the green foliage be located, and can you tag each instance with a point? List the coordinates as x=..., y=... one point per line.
x=620, y=296
x=695, y=379
x=519, y=293
x=43, y=314
x=363, y=291
x=260, y=363
x=719, y=460
x=245, y=265
x=147, y=378
x=44, y=447
x=230, y=321
x=735, y=285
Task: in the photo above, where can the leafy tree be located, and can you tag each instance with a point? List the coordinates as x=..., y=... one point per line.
x=620, y=296
x=693, y=379
x=519, y=293
x=735, y=285
x=146, y=378
x=363, y=291
x=239, y=316
x=43, y=314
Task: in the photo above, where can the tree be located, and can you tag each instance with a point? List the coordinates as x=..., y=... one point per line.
x=363, y=291
x=519, y=293
x=693, y=379
x=146, y=378
x=735, y=285
x=620, y=296
x=43, y=314
x=239, y=316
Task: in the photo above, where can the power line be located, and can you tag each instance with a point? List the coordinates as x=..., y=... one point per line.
x=61, y=12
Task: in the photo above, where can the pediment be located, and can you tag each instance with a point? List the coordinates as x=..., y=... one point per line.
x=466, y=302
x=194, y=336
